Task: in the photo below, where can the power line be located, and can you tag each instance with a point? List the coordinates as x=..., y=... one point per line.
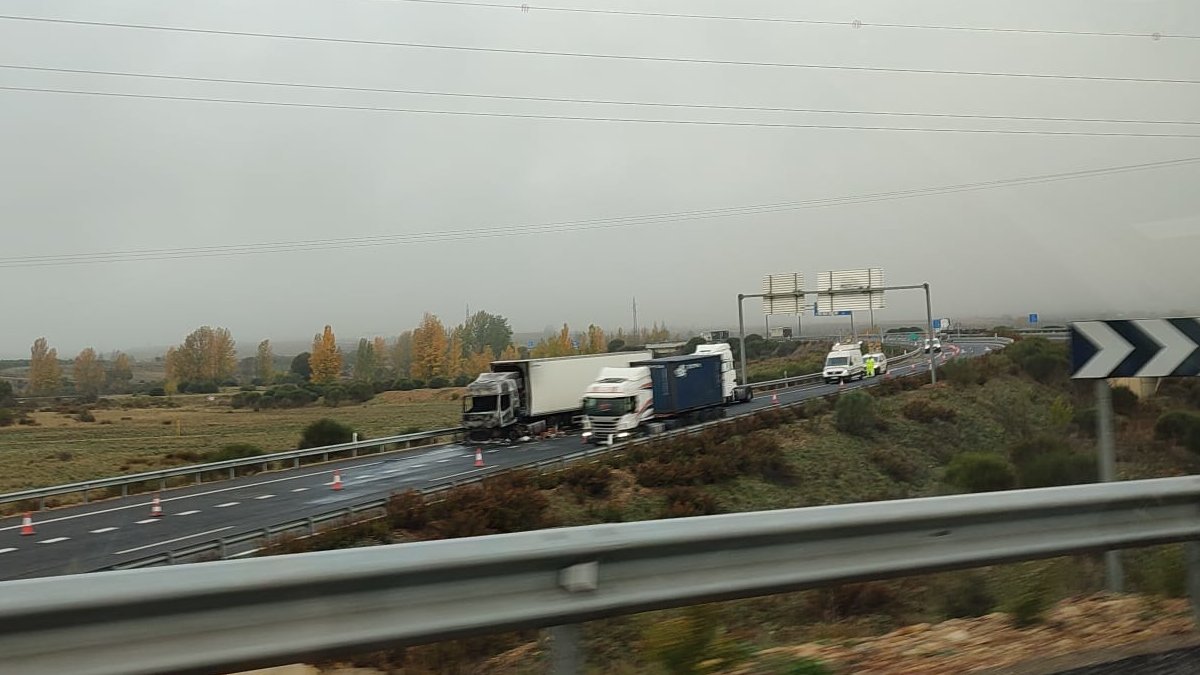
x=810, y=22
x=593, y=55
x=596, y=118
x=551, y=99
x=558, y=227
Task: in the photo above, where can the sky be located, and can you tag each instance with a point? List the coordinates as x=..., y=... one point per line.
x=536, y=218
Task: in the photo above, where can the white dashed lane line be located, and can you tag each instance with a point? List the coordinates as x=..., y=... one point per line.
x=227, y=505
x=188, y=513
x=147, y=521
x=365, y=476
x=443, y=461
x=54, y=540
x=103, y=530
x=7, y=550
x=264, y=496
x=299, y=489
x=418, y=466
x=172, y=541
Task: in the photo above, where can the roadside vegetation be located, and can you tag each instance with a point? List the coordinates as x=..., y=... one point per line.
x=1011, y=419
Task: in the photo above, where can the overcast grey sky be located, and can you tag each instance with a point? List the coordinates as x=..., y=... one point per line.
x=87, y=174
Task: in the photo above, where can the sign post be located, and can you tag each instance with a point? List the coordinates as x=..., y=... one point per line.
x=1141, y=348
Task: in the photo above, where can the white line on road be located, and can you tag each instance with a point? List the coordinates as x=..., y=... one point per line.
x=188, y=513
x=299, y=489
x=147, y=521
x=418, y=466
x=54, y=540
x=366, y=475
x=226, y=505
x=456, y=475
x=264, y=496
x=198, y=494
x=243, y=553
x=103, y=530
x=172, y=541
x=443, y=461
x=7, y=550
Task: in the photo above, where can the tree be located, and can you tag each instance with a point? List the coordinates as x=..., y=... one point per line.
x=616, y=345
x=300, y=366
x=88, y=373
x=6, y=393
x=486, y=330
x=206, y=355
x=563, y=346
x=510, y=353
x=455, y=362
x=479, y=362
x=326, y=358
x=429, y=349
x=45, y=375
x=264, y=363
x=380, y=346
x=120, y=373
x=364, y=361
x=402, y=354
x=595, y=340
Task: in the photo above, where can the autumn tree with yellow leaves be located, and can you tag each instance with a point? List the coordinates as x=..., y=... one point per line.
x=430, y=349
x=88, y=373
x=264, y=362
x=206, y=355
x=325, y=359
x=45, y=375
x=120, y=373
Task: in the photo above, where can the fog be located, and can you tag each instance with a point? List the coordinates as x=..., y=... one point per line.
x=87, y=174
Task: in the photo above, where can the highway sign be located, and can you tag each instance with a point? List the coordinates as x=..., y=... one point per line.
x=850, y=290
x=1033, y=318
x=574, y=343
x=913, y=337
x=783, y=293
x=937, y=324
x=529, y=344
x=1139, y=348
x=847, y=313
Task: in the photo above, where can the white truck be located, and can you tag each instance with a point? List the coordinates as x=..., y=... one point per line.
x=622, y=401
x=844, y=363
x=525, y=397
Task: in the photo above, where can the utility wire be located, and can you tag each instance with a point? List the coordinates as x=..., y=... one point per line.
x=810, y=22
x=593, y=55
x=230, y=250
x=597, y=118
x=551, y=99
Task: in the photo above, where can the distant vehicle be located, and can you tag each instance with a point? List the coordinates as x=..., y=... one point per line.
x=525, y=397
x=844, y=363
x=937, y=345
x=881, y=363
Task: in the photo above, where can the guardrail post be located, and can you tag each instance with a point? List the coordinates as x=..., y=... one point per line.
x=170, y=557
x=566, y=656
x=1113, y=573
x=232, y=472
x=296, y=463
x=197, y=478
x=85, y=496
x=124, y=489
x=325, y=457
x=1191, y=554
x=41, y=503
x=312, y=526
x=221, y=548
x=162, y=484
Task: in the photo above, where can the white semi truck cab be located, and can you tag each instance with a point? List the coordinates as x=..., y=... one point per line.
x=617, y=403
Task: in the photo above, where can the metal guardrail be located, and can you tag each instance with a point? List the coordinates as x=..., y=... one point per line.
x=308, y=526
x=239, y=614
x=230, y=465
x=815, y=378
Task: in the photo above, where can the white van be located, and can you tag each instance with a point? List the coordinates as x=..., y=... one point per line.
x=844, y=363
x=881, y=364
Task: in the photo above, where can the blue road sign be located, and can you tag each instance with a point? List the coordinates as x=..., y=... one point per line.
x=1033, y=318
x=937, y=324
x=575, y=343
x=529, y=344
x=843, y=313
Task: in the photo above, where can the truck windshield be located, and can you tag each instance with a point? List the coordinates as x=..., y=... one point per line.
x=607, y=407
x=837, y=361
x=481, y=404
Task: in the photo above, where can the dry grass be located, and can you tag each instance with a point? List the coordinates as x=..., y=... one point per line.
x=62, y=450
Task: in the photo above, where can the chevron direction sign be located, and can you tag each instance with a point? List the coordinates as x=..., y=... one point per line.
x=1137, y=348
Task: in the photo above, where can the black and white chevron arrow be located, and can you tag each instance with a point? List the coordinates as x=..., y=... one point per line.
x=1137, y=348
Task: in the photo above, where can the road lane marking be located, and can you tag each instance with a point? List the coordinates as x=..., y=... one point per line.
x=226, y=505
x=243, y=553
x=188, y=513
x=54, y=540
x=455, y=475
x=147, y=521
x=367, y=475
x=190, y=496
x=264, y=496
x=443, y=461
x=103, y=530
x=172, y=541
x=7, y=550
x=418, y=466
x=299, y=489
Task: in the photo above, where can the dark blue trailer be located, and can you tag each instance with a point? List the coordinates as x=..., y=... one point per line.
x=687, y=389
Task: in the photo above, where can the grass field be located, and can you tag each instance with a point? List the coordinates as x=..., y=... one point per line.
x=61, y=449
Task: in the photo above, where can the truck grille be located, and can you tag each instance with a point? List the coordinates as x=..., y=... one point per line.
x=604, y=426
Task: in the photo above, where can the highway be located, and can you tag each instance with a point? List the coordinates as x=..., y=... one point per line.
x=94, y=536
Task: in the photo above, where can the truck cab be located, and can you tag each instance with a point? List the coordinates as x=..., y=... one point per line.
x=844, y=363
x=491, y=403
x=733, y=392
x=617, y=403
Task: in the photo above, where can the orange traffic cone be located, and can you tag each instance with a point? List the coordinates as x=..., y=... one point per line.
x=337, y=479
x=156, y=508
x=478, y=457
x=27, y=524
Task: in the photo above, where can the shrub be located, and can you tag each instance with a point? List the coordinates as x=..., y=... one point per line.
x=588, y=480
x=85, y=415
x=334, y=395
x=201, y=387
x=417, y=383
x=1027, y=594
x=407, y=511
x=1057, y=468
x=681, y=643
x=250, y=387
x=688, y=501
x=360, y=392
x=1124, y=401
x=7, y=417
x=834, y=603
x=1161, y=571
x=325, y=431
x=896, y=464
x=439, y=383
x=157, y=391
x=403, y=384
x=234, y=451
x=246, y=399
x=1085, y=421
x=966, y=595
x=1179, y=426
x=980, y=472
x=462, y=381
x=922, y=410
x=855, y=414
x=963, y=372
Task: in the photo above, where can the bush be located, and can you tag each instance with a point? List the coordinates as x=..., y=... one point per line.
x=1057, y=468
x=407, y=511
x=1027, y=594
x=922, y=410
x=963, y=372
x=1179, y=426
x=835, y=603
x=360, y=392
x=234, y=451
x=1085, y=421
x=334, y=395
x=439, y=383
x=681, y=643
x=246, y=399
x=896, y=464
x=1124, y=401
x=201, y=387
x=855, y=414
x=980, y=472
x=683, y=502
x=7, y=417
x=85, y=415
x=462, y=381
x=588, y=480
x=325, y=432
x=403, y=384
x=966, y=595
x=157, y=391
x=417, y=383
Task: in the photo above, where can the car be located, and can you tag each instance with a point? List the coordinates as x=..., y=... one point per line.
x=881, y=363
x=937, y=345
x=927, y=346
